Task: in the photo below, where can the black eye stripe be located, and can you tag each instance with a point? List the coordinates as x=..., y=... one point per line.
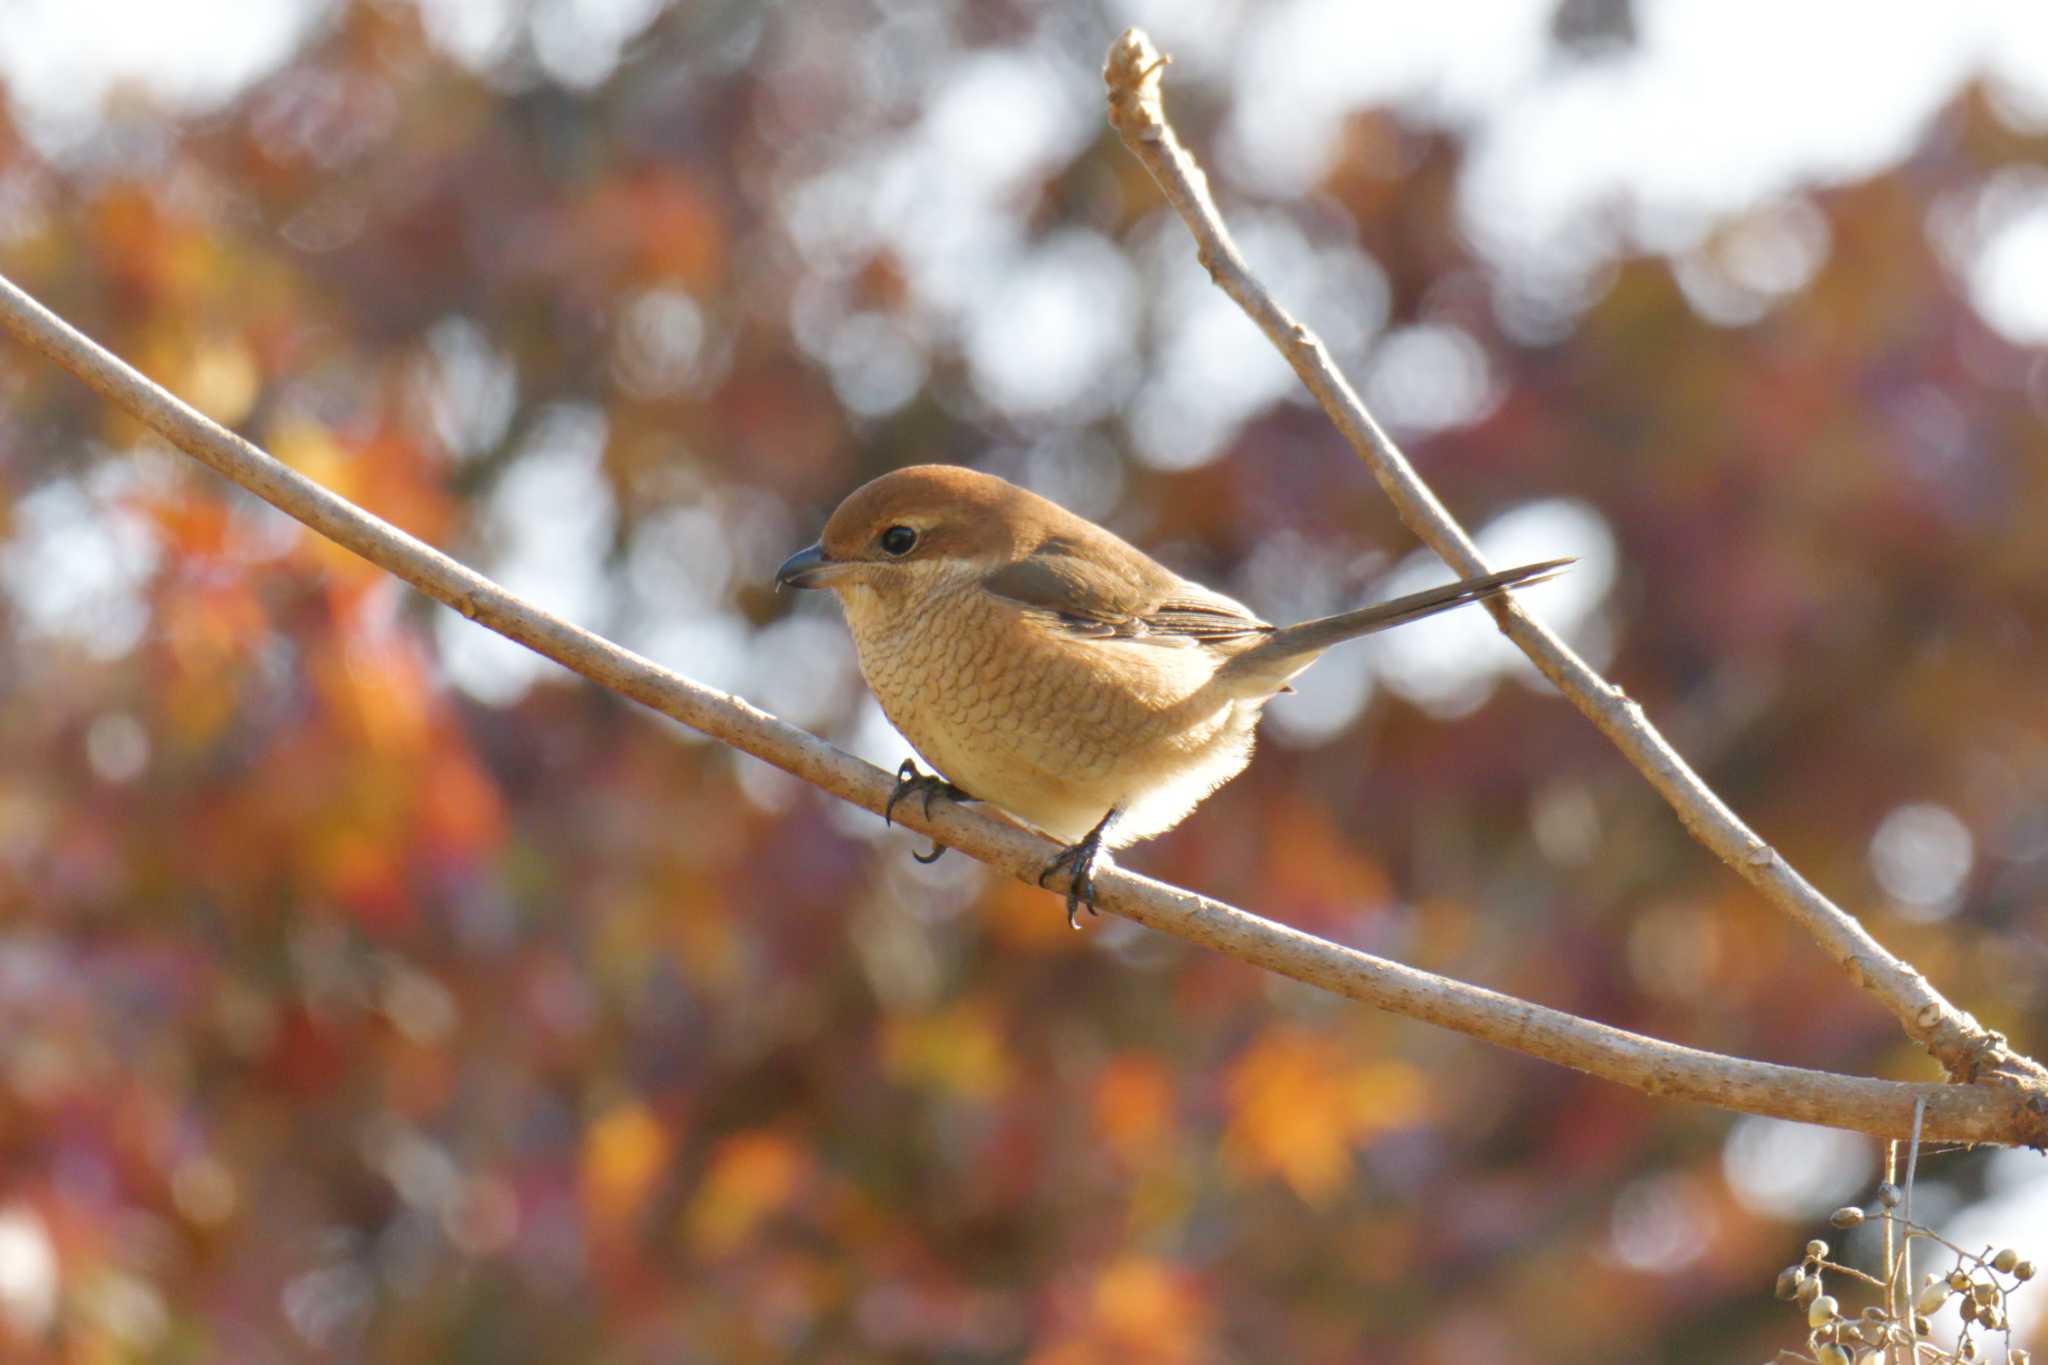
x=898, y=540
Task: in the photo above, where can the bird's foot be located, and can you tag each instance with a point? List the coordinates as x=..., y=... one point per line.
x=1077, y=861
x=911, y=782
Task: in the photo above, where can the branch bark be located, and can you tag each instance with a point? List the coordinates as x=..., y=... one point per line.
x=1965, y=1048
x=2006, y=1115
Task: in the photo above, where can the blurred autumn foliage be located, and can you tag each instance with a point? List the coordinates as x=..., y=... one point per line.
x=371, y=992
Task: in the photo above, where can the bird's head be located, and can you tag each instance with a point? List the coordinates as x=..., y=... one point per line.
x=905, y=532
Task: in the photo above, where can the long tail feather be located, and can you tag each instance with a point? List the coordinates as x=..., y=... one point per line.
x=1292, y=648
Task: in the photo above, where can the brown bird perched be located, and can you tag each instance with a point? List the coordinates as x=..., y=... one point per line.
x=1048, y=667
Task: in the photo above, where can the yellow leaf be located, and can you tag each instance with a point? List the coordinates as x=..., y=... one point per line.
x=751, y=1176
x=959, y=1050
x=221, y=379
x=623, y=1153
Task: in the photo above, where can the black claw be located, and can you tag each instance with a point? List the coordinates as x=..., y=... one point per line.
x=911, y=782
x=1078, y=862
x=907, y=778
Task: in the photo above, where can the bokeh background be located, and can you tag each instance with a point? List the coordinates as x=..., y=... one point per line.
x=370, y=990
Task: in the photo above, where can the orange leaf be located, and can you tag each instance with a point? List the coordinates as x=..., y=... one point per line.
x=623, y=1154
x=751, y=1176
x=1134, y=1106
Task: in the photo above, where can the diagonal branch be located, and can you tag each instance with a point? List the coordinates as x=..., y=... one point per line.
x=1964, y=1047
x=1954, y=1113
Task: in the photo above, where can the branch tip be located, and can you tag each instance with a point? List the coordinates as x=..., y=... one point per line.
x=1132, y=74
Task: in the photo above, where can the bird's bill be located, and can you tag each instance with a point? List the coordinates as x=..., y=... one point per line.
x=808, y=568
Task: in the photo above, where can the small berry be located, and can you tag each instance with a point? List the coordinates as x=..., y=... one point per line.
x=1816, y=1249
x=1822, y=1311
x=1958, y=1281
x=1931, y=1298
x=2023, y=1271
x=1831, y=1354
x=1809, y=1289
x=1787, y=1286
x=1921, y=1326
x=1848, y=1216
x=2006, y=1261
x=1888, y=1195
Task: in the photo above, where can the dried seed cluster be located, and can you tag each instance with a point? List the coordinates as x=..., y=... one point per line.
x=1979, y=1282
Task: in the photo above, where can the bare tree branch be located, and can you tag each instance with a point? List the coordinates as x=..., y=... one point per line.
x=1964, y=1047
x=1954, y=1113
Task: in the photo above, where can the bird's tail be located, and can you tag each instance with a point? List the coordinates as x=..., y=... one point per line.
x=1290, y=649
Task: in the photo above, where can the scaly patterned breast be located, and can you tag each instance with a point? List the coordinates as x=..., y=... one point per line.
x=1052, y=728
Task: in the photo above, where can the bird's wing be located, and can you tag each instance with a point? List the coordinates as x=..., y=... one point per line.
x=1092, y=598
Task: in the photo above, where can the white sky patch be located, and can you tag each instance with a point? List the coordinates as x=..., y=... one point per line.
x=1212, y=369
x=2008, y=275
x=117, y=747
x=1429, y=378
x=1448, y=664
x=803, y=668
x=2018, y=64
x=1290, y=578
x=2012, y=1213
x=878, y=364
x=79, y=562
x=1921, y=854
x=681, y=560
x=1794, y=1171
x=1736, y=274
x=28, y=1271
x=548, y=526
x=61, y=58
x=1307, y=64
x=1204, y=36
x=466, y=387
x=659, y=344
x=579, y=42
x=947, y=197
x=476, y=33
x=1660, y=1225
x=1326, y=699
x=1054, y=334
x=1722, y=107
x=871, y=737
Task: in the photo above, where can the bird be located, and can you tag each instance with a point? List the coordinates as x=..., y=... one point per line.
x=1044, y=665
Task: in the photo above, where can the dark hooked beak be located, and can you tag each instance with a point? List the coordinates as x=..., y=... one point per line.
x=808, y=568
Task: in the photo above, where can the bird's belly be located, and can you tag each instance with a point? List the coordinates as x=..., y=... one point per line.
x=1063, y=730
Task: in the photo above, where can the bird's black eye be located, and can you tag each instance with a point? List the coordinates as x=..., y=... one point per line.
x=898, y=540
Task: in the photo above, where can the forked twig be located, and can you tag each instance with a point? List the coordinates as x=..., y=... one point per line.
x=1964, y=1047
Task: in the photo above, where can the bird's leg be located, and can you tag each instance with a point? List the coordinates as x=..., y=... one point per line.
x=911, y=782
x=1078, y=862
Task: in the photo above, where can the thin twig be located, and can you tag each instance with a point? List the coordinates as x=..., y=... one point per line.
x=1898, y=1295
x=1954, y=1113
x=1906, y=1209
x=1966, y=1049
